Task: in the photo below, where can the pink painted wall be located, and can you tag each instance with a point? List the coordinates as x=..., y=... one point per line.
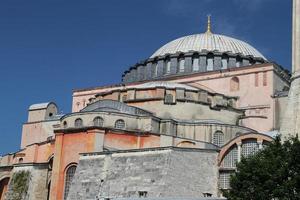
x=254, y=93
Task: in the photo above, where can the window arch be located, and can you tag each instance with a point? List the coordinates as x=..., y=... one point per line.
x=218, y=138
x=68, y=179
x=234, y=84
x=98, y=121
x=78, y=123
x=120, y=124
x=231, y=158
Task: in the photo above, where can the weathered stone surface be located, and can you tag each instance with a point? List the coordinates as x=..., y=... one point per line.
x=37, y=183
x=159, y=173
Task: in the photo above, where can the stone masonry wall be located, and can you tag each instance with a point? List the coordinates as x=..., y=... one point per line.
x=36, y=183
x=163, y=172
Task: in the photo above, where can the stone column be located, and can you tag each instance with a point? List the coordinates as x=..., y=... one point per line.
x=290, y=124
x=239, y=151
x=260, y=144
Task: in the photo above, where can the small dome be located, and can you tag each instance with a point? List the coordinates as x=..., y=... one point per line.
x=209, y=42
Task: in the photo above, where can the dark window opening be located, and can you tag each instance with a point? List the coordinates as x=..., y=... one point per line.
x=143, y=194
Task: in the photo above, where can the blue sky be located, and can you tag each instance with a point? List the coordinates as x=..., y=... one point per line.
x=49, y=47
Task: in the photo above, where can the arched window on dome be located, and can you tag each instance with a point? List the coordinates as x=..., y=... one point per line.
x=225, y=59
x=78, y=123
x=196, y=63
x=68, y=179
x=234, y=84
x=181, y=64
x=120, y=124
x=218, y=138
x=210, y=62
x=168, y=66
x=239, y=61
x=98, y=121
x=154, y=69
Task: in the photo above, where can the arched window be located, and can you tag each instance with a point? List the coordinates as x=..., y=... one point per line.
x=98, y=121
x=168, y=66
x=154, y=69
x=231, y=158
x=3, y=187
x=169, y=99
x=65, y=124
x=218, y=138
x=234, y=84
x=225, y=59
x=120, y=124
x=20, y=160
x=181, y=64
x=68, y=179
x=239, y=61
x=210, y=62
x=78, y=123
x=195, y=63
x=249, y=147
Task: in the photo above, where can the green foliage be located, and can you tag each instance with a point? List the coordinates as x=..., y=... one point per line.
x=273, y=173
x=19, y=185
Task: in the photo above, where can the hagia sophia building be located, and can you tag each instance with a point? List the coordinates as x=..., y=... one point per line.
x=175, y=126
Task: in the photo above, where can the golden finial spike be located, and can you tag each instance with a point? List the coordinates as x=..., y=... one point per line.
x=208, y=24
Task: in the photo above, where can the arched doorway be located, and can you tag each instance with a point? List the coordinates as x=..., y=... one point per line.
x=3, y=187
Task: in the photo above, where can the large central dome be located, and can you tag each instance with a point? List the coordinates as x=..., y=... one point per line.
x=194, y=54
x=209, y=42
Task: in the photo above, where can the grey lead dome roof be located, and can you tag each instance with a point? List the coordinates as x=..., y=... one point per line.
x=209, y=42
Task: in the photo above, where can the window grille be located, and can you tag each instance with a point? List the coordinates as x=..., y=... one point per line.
x=78, y=123
x=120, y=124
x=231, y=158
x=218, y=138
x=224, y=180
x=249, y=147
x=68, y=180
x=98, y=121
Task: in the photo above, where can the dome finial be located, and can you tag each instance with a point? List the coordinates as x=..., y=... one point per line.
x=208, y=25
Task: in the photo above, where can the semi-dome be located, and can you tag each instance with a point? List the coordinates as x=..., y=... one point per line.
x=209, y=42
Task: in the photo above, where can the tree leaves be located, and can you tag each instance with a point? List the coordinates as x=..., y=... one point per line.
x=272, y=173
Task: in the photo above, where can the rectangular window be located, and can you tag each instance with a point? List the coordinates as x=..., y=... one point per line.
x=256, y=79
x=224, y=180
x=265, y=79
